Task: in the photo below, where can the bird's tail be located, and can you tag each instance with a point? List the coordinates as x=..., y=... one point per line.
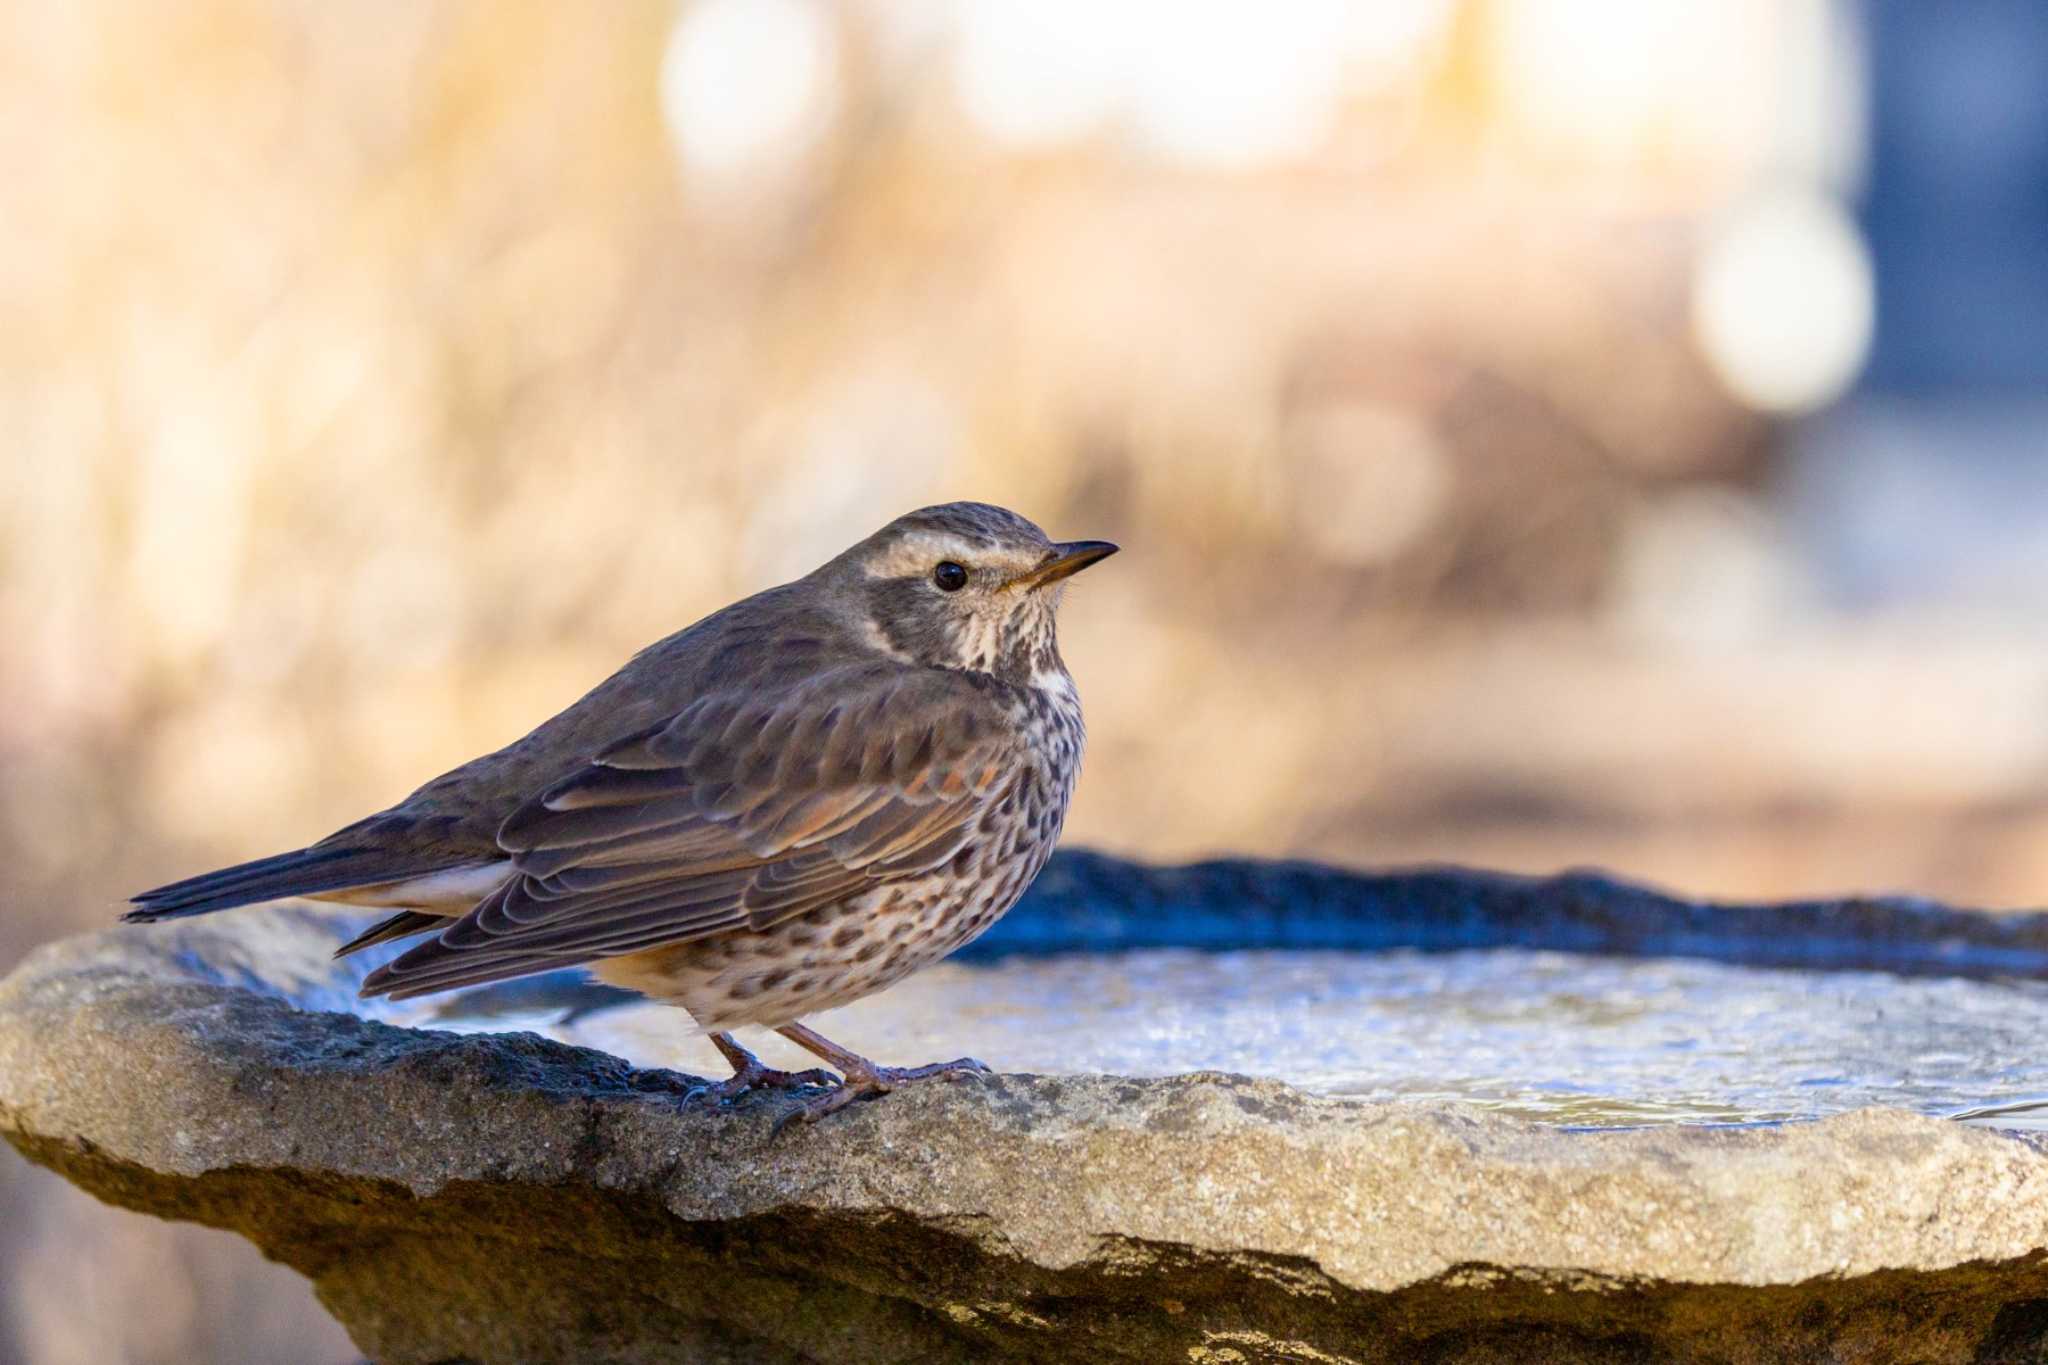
x=305, y=872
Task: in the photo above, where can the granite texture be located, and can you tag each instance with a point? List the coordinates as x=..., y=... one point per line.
x=506, y=1198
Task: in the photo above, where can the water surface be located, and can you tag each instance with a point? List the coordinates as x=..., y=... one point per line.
x=1563, y=1038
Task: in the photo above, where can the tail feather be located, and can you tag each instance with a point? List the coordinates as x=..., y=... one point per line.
x=404, y=924
x=306, y=872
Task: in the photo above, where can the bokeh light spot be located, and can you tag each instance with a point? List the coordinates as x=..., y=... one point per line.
x=748, y=84
x=1783, y=302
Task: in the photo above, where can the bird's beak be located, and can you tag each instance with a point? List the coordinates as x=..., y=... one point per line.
x=1068, y=559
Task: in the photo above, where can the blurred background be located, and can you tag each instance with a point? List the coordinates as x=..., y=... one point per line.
x=1542, y=432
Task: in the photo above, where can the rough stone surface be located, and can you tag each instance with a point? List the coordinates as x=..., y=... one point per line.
x=506, y=1198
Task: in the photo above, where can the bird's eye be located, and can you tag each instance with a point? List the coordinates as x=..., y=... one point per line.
x=949, y=577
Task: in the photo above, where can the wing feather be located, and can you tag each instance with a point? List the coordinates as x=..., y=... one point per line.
x=736, y=813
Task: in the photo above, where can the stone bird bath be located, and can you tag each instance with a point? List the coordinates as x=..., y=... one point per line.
x=1244, y=1112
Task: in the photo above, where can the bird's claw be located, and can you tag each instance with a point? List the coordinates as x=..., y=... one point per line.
x=876, y=1082
x=760, y=1078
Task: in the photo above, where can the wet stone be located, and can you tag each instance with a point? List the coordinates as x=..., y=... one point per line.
x=1370, y=1118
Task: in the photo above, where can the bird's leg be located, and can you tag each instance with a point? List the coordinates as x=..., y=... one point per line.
x=750, y=1073
x=864, y=1079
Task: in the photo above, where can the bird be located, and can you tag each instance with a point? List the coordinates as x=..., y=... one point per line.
x=793, y=803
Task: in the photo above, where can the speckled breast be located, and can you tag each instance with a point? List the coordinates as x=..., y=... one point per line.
x=841, y=952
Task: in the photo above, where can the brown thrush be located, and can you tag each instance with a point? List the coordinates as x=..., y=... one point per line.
x=792, y=803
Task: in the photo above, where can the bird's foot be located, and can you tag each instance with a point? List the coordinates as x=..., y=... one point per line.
x=867, y=1081
x=751, y=1073
x=759, y=1077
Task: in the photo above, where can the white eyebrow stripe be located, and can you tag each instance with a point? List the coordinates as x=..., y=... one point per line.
x=916, y=553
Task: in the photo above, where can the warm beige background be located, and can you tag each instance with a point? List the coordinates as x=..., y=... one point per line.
x=377, y=377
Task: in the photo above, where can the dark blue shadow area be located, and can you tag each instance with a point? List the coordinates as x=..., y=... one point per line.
x=1956, y=208
x=1086, y=902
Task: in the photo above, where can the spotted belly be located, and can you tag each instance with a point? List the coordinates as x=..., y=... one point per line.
x=826, y=958
x=838, y=953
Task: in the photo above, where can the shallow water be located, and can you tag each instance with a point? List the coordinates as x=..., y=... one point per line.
x=1560, y=1038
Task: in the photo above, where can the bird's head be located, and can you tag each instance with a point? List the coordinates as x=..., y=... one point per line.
x=965, y=585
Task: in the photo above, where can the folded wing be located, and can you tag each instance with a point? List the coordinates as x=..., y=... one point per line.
x=739, y=812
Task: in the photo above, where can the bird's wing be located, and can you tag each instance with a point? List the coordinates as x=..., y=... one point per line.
x=738, y=812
